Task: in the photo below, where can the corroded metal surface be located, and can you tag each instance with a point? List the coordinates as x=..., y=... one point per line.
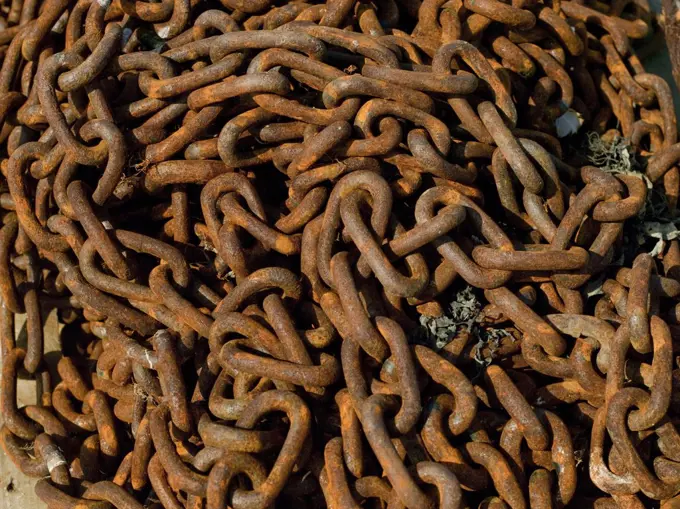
x=343, y=254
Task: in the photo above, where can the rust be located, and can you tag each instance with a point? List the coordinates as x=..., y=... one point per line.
x=339, y=254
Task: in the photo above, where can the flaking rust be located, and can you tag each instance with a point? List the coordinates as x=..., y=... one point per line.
x=340, y=254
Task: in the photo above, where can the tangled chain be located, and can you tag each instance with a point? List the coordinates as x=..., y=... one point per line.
x=344, y=254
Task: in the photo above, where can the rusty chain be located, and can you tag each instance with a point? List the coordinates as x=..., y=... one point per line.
x=391, y=253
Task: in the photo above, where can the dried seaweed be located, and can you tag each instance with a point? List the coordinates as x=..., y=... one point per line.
x=463, y=314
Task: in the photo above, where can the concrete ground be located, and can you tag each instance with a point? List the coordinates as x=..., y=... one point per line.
x=16, y=490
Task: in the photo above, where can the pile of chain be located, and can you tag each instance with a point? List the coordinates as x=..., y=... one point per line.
x=344, y=254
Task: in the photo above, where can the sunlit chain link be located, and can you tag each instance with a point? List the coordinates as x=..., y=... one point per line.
x=401, y=253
